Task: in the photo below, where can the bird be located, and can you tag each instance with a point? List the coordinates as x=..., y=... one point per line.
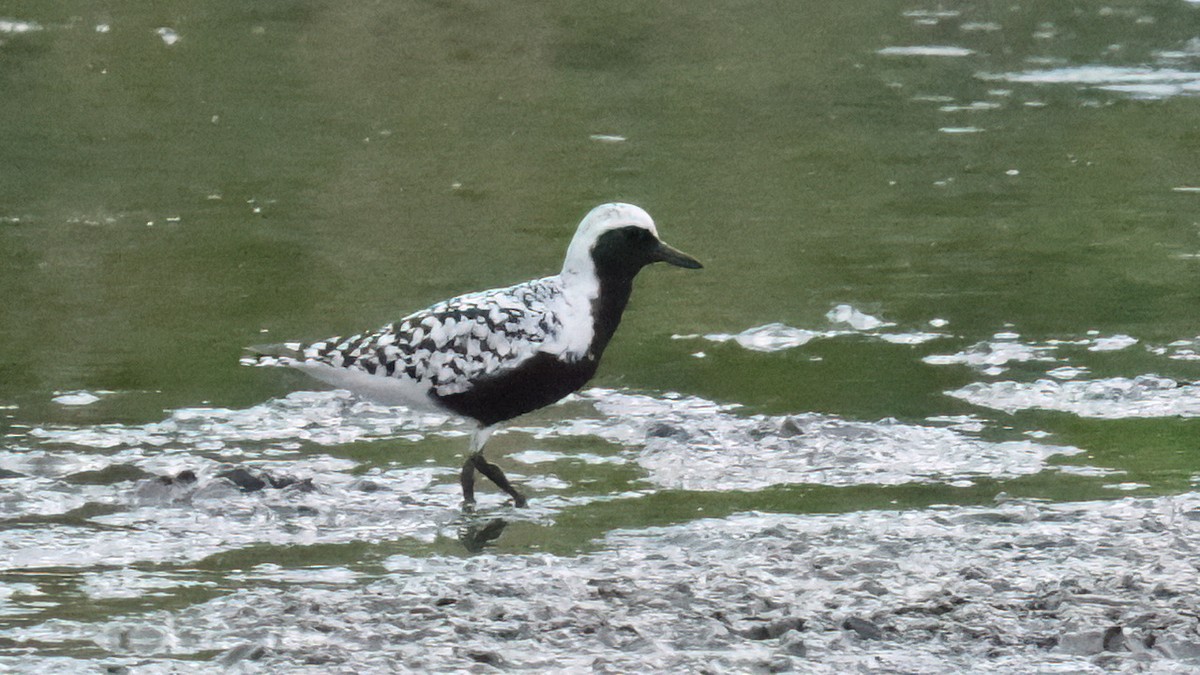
x=492, y=355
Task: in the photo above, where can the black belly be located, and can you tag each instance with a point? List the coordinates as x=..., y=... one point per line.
x=536, y=383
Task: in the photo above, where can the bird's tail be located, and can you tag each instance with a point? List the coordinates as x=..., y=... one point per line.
x=262, y=356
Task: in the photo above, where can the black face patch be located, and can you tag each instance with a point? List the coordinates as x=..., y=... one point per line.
x=621, y=253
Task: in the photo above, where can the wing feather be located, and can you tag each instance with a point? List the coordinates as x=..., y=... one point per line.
x=445, y=348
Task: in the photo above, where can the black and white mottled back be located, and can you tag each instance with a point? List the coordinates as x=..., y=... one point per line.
x=496, y=354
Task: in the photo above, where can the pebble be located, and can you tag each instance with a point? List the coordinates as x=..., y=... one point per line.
x=864, y=628
x=250, y=481
x=792, y=643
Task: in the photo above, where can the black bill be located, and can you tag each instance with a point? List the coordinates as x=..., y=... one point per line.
x=674, y=256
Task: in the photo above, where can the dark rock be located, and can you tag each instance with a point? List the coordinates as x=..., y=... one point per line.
x=1161, y=590
x=1043, y=641
x=367, y=485
x=666, y=430
x=5, y=473
x=607, y=588
x=780, y=627
x=242, y=478
x=1176, y=648
x=873, y=587
x=185, y=477
x=1114, y=640
x=296, y=484
x=246, y=651
x=115, y=473
x=790, y=428
x=751, y=629
x=1082, y=643
x=938, y=607
x=779, y=665
x=791, y=643
x=250, y=481
x=864, y=628
x=488, y=657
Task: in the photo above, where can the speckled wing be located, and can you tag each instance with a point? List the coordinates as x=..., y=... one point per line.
x=446, y=347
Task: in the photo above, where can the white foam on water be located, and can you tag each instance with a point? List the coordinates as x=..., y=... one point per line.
x=772, y=337
x=320, y=417
x=76, y=398
x=1110, y=398
x=1112, y=343
x=974, y=106
x=1097, y=75
x=994, y=355
x=125, y=583
x=1145, y=82
x=1021, y=586
x=913, y=338
x=17, y=26
x=694, y=444
x=169, y=36
x=926, y=50
x=312, y=575
x=854, y=318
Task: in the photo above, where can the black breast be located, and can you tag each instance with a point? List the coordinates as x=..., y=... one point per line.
x=536, y=383
x=544, y=379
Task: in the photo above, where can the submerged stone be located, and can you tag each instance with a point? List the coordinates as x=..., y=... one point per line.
x=250, y=481
x=865, y=629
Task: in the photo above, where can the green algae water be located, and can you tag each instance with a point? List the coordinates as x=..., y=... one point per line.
x=951, y=253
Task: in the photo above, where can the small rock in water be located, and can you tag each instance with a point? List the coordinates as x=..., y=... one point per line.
x=666, y=430
x=791, y=643
x=486, y=657
x=1083, y=643
x=763, y=629
x=367, y=485
x=246, y=651
x=864, y=628
x=790, y=428
x=1176, y=648
x=242, y=478
x=1114, y=640
x=114, y=473
x=788, y=624
x=167, y=489
x=248, y=481
x=185, y=477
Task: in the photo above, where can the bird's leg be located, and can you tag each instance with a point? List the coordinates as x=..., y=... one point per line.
x=467, y=480
x=496, y=475
x=475, y=461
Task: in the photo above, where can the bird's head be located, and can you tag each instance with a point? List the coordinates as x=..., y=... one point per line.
x=618, y=240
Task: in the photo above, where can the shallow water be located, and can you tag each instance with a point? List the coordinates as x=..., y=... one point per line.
x=931, y=403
